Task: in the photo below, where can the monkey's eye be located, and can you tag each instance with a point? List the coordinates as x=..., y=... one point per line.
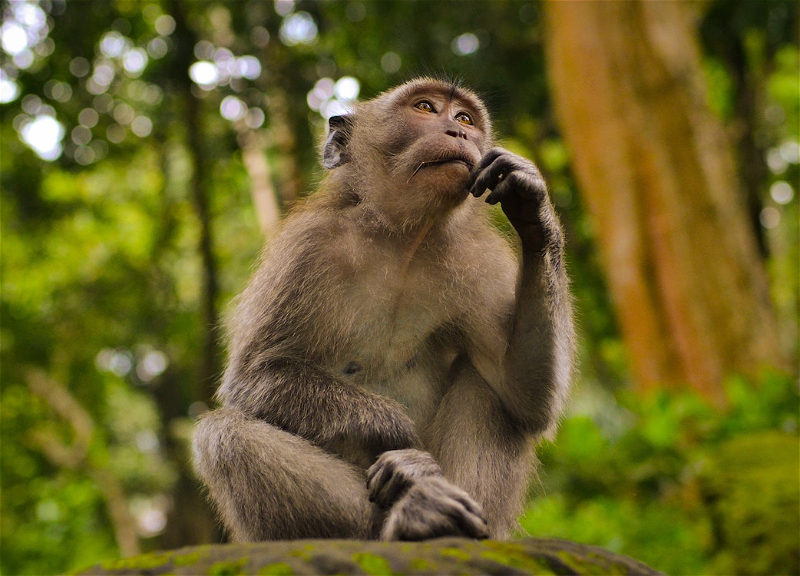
x=425, y=106
x=464, y=118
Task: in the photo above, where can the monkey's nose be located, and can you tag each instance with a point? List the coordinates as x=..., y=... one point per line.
x=456, y=133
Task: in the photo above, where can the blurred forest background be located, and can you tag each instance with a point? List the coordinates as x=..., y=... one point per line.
x=149, y=148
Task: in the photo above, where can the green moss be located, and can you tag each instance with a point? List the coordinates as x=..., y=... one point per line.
x=278, y=569
x=604, y=566
x=306, y=553
x=191, y=558
x=592, y=564
x=142, y=562
x=580, y=564
x=514, y=555
x=456, y=553
x=372, y=563
x=228, y=568
x=514, y=559
x=423, y=564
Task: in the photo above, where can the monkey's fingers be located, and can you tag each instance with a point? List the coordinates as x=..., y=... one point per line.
x=387, y=494
x=482, y=164
x=450, y=516
x=472, y=525
x=386, y=487
x=472, y=521
x=488, y=176
x=386, y=481
x=377, y=476
x=465, y=515
x=395, y=471
x=504, y=189
x=421, y=515
x=495, y=174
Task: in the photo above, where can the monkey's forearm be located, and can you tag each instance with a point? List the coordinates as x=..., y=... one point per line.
x=310, y=402
x=538, y=359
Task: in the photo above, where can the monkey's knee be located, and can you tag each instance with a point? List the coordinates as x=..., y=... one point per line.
x=213, y=440
x=269, y=484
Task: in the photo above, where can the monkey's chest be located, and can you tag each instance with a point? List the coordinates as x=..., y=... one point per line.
x=389, y=330
x=387, y=344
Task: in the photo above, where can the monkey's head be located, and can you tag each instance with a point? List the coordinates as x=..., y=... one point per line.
x=408, y=152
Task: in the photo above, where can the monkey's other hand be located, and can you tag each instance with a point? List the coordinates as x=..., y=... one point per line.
x=433, y=508
x=518, y=185
x=395, y=471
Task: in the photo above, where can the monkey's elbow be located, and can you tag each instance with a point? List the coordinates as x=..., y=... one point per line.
x=538, y=412
x=541, y=425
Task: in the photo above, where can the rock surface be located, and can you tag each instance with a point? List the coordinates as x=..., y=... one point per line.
x=441, y=556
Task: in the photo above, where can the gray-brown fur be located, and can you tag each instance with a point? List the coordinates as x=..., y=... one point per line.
x=392, y=359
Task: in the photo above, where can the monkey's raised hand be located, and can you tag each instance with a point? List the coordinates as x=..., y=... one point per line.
x=423, y=503
x=516, y=183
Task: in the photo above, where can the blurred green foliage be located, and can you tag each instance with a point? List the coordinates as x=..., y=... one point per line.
x=102, y=285
x=681, y=486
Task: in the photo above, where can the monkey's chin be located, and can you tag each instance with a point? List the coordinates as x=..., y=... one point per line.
x=450, y=176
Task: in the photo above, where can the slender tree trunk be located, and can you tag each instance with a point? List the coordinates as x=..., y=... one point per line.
x=209, y=362
x=280, y=134
x=265, y=200
x=657, y=174
x=190, y=520
x=285, y=143
x=209, y=368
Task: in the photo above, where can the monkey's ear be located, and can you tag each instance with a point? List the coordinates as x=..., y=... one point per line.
x=335, y=152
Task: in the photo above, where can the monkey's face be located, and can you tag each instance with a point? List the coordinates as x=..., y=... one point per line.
x=431, y=135
x=410, y=150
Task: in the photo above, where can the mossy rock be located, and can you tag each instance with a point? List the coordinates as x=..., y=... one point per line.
x=441, y=556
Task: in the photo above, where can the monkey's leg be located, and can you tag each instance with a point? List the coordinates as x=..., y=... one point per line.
x=268, y=484
x=480, y=450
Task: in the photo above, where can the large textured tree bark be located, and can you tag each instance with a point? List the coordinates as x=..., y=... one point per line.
x=657, y=174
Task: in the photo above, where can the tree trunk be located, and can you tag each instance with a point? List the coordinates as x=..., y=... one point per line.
x=658, y=176
x=265, y=200
x=209, y=368
x=190, y=520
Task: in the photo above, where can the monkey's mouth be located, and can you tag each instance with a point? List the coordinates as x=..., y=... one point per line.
x=450, y=159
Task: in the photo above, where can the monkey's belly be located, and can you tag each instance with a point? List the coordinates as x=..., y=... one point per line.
x=416, y=388
x=413, y=374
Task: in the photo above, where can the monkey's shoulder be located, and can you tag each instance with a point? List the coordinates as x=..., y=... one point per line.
x=313, y=243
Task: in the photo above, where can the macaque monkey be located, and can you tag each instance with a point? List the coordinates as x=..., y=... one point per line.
x=394, y=359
